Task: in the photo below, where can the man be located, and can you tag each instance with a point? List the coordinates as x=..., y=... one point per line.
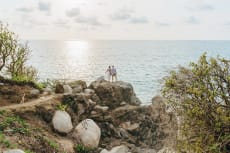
x=114, y=74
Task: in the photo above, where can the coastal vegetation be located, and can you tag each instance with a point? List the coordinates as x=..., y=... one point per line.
x=200, y=97
x=13, y=57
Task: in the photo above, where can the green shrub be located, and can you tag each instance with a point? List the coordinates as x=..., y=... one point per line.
x=68, y=100
x=200, y=96
x=6, y=143
x=61, y=107
x=13, y=57
x=14, y=124
x=81, y=149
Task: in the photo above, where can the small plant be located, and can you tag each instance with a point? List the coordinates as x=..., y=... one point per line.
x=4, y=141
x=53, y=144
x=81, y=149
x=68, y=100
x=2, y=112
x=28, y=151
x=15, y=124
x=61, y=107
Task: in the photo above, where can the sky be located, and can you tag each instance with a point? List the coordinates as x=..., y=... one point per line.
x=117, y=19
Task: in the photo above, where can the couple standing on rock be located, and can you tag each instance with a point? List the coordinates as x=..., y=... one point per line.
x=111, y=74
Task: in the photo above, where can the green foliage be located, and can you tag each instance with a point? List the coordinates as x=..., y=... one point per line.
x=53, y=144
x=200, y=96
x=68, y=100
x=81, y=149
x=61, y=107
x=13, y=124
x=6, y=143
x=28, y=151
x=13, y=57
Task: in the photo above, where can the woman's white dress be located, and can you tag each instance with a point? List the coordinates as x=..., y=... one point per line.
x=107, y=76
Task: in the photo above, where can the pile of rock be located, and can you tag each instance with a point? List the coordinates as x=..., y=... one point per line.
x=109, y=118
x=117, y=111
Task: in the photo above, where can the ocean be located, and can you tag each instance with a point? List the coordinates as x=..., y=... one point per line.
x=141, y=63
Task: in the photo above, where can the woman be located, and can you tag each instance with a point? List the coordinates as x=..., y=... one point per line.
x=108, y=74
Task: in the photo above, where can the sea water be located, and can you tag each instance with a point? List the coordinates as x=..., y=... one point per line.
x=141, y=63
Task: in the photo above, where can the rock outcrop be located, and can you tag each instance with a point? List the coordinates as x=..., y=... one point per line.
x=109, y=119
x=113, y=94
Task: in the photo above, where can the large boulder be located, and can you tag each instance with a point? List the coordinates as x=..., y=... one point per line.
x=13, y=151
x=118, y=149
x=62, y=122
x=113, y=94
x=87, y=133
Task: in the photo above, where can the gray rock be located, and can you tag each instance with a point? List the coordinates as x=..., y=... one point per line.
x=91, y=102
x=67, y=89
x=81, y=109
x=122, y=133
x=93, y=113
x=62, y=122
x=89, y=91
x=35, y=92
x=135, y=100
x=101, y=108
x=47, y=91
x=88, y=133
x=118, y=149
x=59, y=88
x=123, y=103
x=1, y=84
x=77, y=83
x=13, y=151
x=77, y=89
x=102, y=78
x=112, y=94
x=130, y=127
x=144, y=150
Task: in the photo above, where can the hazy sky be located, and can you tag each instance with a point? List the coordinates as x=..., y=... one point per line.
x=118, y=19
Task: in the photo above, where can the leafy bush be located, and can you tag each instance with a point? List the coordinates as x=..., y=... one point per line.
x=13, y=57
x=13, y=124
x=200, y=96
x=61, y=107
x=81, y=149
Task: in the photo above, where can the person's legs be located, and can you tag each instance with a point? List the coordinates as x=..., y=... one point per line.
x=112, y=78
x=115, y=77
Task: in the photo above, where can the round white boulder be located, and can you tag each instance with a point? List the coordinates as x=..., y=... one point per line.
x=88, y=133
x=62, y=122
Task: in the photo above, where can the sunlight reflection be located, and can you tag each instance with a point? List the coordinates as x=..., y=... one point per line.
x=77, y=61
x=79, y=48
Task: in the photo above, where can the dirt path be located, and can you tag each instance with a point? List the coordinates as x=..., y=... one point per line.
x=33, y=103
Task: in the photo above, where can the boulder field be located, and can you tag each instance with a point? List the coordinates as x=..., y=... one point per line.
x=104, y=117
